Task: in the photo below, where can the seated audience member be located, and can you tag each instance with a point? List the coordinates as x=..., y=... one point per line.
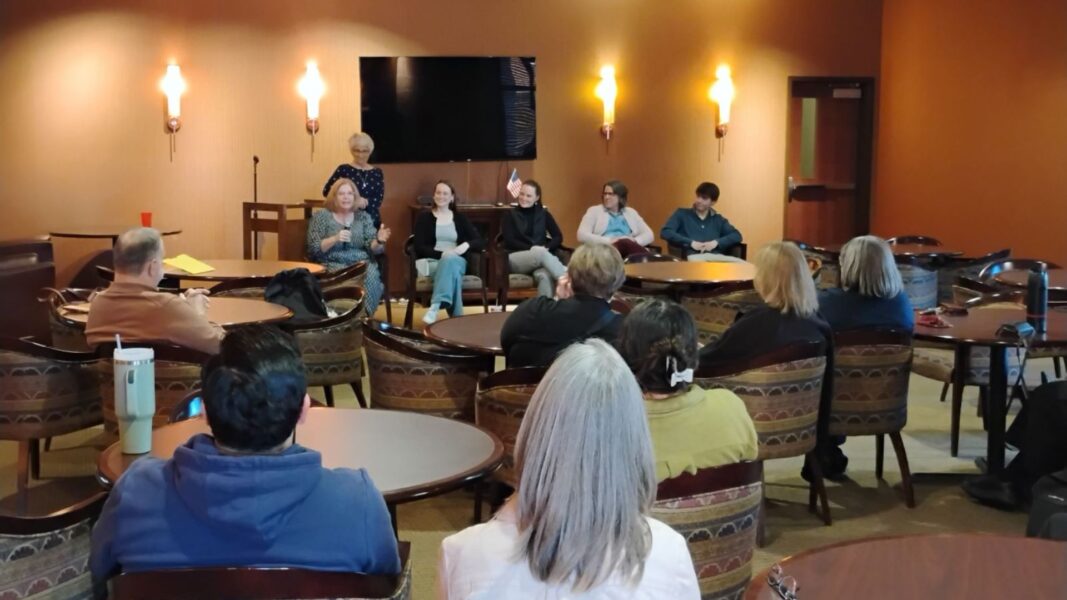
x=578, y=526
x=692, y=428
x=612, y=222
x=531, y=238
x=369, y=180
x=134, y=308
x=442, y=238
x=702, y=233
x=541, y=327
x=246, y=495
x=343, y=234
x=871, y=292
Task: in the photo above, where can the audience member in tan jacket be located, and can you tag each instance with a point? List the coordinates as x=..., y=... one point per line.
x=134, y=308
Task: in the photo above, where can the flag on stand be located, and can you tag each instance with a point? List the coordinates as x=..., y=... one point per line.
x=514, y=183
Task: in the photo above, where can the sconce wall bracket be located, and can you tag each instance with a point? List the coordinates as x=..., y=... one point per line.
x=606, y=130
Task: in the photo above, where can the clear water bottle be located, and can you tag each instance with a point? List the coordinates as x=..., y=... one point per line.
x=1037, y=297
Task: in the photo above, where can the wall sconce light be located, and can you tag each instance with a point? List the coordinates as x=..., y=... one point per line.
x=173, y=86
x=722, y=93
x=606, y=90
x=311, y=88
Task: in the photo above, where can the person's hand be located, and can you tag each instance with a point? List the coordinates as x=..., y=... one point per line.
x=709, y=246
x=344, y=236
x=461, y=249
x=199, y=302
x=383, y=234
x=695, y=245
x=563, y=287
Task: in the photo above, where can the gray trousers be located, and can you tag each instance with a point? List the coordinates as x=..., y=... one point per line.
x=542, y=265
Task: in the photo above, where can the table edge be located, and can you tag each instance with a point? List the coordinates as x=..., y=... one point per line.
x=495, y=350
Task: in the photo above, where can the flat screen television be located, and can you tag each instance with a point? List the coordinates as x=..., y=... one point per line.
x=456, y=108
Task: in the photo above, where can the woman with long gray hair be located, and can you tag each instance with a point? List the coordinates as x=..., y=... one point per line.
x=871, y=292
x=578, y=522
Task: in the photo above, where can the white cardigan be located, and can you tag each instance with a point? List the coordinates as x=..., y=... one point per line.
x=481, y=563
x=595, y=222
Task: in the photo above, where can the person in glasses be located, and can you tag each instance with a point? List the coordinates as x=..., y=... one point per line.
x=612, y=222
x=369, y=180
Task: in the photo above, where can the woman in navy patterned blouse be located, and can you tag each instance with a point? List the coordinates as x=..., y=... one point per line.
x=369, y=180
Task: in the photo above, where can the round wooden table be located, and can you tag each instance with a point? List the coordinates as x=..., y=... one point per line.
x=979, y=328
x=408, y=455
x=1057, y=279
x=687, y=273
x=903, y=250
x=223, y=311
x=479, y=332
x=961, y=566
x=103, y=232
x=235, y=268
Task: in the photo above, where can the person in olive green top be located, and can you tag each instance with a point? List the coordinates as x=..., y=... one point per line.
x=692, y=428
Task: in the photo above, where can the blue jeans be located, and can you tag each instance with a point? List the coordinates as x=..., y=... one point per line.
x=448, y=283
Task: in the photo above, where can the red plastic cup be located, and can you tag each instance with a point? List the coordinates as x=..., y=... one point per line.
x=146, y=219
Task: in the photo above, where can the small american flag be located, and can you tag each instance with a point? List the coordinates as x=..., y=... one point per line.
x=514, y=183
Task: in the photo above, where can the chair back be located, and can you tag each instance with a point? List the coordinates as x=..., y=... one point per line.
x=997, y=267
x=922, y=240
x=825, y=267
x=245, y=287
x=90, y=273
x=920, y=281
x=409, y=372
x=955, y=268
x=46, y=391
x=26, y=266
x=350, y=276
x=717, y=511
x=47, y=557
x=502, y=401
x=781, y=390
x=871, y=372
x=262, y=583
x=67, y=334
x=716, y=310
x=177, y=374
x=333, y=347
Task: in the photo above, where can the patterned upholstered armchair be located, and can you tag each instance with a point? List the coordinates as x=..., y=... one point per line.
x=47, y=557
x=954, y=268
x=177, y=374
x=263, y=583
x=409, y=372
x=420, y=288
x=871, y=371
x=717, y=512
x=920, y=281
x=715, y=310
x=66, y=334
x=44, y=392
x=828, y=271
x=782, y=391
x=333, y=347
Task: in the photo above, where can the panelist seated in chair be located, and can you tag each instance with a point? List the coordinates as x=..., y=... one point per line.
x=612, y=222
x=531, y=238
x=700, y=232
x=246, y=495
x=871, y=293
x=579, y=524
x=540, y=328
x=343, y=234
x=443, y=237
x=134, y=308
x=692, y=428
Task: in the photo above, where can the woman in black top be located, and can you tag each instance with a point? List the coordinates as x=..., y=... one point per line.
x=531, y=238
x=442, y=237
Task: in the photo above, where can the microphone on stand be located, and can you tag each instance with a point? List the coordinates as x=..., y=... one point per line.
x=255, y=202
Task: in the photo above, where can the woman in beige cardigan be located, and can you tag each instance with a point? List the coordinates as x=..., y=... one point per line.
x=612, y=222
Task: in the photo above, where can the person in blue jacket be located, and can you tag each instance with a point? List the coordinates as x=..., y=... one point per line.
x=245, y=495
x=700, y=232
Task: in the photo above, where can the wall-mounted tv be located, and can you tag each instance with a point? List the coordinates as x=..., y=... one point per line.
x=456, y=108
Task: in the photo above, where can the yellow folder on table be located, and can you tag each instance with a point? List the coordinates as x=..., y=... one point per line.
x=188, y=264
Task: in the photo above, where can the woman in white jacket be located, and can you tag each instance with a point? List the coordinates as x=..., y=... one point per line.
x=612, y=222
x=578, y=524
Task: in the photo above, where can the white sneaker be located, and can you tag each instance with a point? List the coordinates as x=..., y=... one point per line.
x=431, y=316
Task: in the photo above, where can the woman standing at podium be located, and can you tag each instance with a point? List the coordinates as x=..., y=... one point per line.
x=370, y=182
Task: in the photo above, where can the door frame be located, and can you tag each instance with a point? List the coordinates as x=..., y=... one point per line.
x=864, y=145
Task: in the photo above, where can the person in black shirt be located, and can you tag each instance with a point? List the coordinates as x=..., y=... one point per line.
x=442, y=238
x=531, y=238
x=540, y=328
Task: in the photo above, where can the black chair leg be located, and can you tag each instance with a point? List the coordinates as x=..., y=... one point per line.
x=879, y=454
x=35, y=459
x=409, y=314
x=479, y=486
x=48, y=444
x=1056, y=366
x=957, y=406
x=905, y=472
x=817, y=488
x=328, y=390
x=944, y=391
x=357, y=387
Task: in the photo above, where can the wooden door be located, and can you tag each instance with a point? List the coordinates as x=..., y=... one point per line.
x=828, y=159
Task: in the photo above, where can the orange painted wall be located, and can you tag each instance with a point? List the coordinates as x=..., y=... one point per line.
x=973, y=124
x=81, y=116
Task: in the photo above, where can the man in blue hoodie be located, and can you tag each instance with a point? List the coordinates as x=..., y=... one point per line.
x=246, y=495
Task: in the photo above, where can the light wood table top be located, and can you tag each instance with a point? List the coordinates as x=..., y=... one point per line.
x=236, y=268
x=224, y=311
x=691, y=273
x=479, y=332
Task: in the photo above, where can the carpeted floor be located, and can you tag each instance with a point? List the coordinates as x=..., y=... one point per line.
x=862, y=507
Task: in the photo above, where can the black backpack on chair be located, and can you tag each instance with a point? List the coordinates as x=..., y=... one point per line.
x=299, y=291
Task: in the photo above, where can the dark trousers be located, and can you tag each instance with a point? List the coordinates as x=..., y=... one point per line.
x=1040, y=433
x=627, y=247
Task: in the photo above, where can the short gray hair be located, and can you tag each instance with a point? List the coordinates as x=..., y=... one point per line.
x=867, y=267
x=136, y=248
x=356, y=137
x=596, y=269
x=586, y=473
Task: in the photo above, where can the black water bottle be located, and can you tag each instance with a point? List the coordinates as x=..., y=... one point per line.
x=1037, y=297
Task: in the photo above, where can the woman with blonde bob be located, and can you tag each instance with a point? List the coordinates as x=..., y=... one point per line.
x=871, y=292
x=578, y=523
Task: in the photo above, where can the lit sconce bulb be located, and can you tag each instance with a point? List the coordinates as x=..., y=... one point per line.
x=311, y=88
x=607, y=91
x=173, y=87
x=722, y=93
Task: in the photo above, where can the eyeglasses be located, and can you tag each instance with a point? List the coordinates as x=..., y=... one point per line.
x=783, y=585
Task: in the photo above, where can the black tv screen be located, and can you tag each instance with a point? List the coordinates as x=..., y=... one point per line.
x=440, y=109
